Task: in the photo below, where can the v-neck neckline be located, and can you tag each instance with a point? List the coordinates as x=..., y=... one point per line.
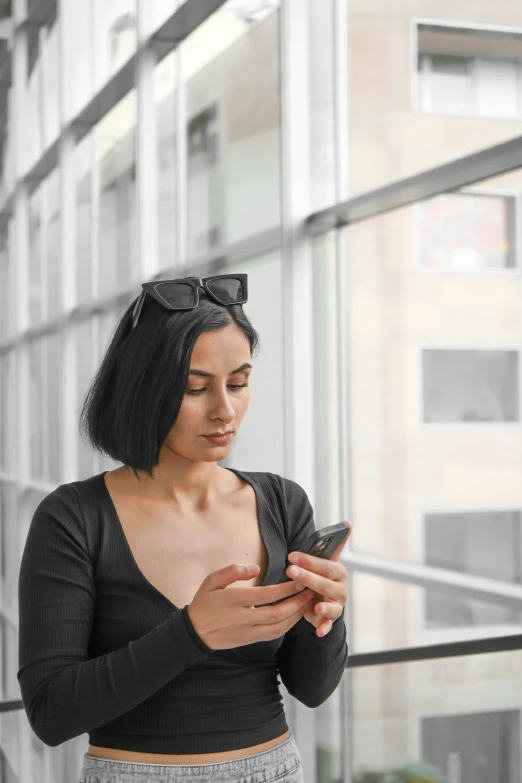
x=261, y=520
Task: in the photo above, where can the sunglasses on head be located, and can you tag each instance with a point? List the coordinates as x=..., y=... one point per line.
x=183, y=293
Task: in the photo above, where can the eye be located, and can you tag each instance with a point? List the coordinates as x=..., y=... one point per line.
x=231, y=386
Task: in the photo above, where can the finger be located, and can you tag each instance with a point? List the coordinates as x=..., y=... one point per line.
x=319, y=584
x=328, y=568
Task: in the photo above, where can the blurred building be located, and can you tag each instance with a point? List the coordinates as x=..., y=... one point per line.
x=360, y=160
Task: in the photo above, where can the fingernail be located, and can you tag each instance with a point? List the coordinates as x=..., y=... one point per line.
x=294, y=571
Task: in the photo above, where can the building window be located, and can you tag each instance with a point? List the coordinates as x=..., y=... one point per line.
x=469, y=71
x=478, y=746
x=470, y=385
x=467, y=232
x=480, y=543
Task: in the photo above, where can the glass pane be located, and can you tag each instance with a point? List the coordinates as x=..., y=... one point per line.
x=388, y=614
x=37, y=412
x=263, y=422
x=165, y=96
x=437, y=721
x=84, y=375
x=116, y=161
x=425, y=91
x=51, y=85
x=114, y=37
x=231, y=64
x=7, y=287
x=53, y=261
x=54, y=413
x=35, y=291
x=77, y=42
x=434, y=397
x=83, y=157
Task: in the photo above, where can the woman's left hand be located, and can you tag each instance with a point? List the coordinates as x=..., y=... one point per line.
x=328, y=579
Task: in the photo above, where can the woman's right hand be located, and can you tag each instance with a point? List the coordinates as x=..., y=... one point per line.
x=232, y=618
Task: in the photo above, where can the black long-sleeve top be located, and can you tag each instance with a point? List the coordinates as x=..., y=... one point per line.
x=102, y=651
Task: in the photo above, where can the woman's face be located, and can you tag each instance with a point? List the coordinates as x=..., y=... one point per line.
x=217, y=403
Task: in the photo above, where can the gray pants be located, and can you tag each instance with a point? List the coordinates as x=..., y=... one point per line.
x=281, y=764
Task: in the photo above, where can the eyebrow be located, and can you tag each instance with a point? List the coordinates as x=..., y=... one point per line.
x=210, y=375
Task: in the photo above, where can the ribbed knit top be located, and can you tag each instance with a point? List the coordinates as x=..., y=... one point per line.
x=103, y=652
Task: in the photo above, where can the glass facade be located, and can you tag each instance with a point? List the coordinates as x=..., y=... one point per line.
x=360, y=161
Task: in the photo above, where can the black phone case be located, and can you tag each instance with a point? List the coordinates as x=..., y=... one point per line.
x=320, y=543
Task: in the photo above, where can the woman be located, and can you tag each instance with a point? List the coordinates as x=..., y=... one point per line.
x=138, y=621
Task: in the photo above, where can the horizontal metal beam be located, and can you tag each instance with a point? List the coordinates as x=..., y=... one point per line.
x=447, y=650
x=108, y=96
x=441, y=579
x=486, y=163
x=181, y=24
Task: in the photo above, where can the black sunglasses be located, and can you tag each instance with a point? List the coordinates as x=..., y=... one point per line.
x=183, y=293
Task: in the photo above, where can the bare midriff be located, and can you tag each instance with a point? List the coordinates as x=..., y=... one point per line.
x=185, y=758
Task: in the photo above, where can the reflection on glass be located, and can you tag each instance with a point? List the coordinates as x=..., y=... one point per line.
x=77, y=47
x=426, y=91
x=231, y=64
x=6, y=309
x=441, y=721
x=467, y=232
x=115, y=145
x=51, y=85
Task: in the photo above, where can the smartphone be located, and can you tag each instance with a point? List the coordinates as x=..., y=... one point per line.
x=320, y=543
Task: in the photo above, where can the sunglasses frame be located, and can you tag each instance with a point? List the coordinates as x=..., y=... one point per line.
x=154, y=286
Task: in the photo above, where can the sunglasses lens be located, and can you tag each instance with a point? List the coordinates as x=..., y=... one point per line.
x=178, y=294
x=227, y=289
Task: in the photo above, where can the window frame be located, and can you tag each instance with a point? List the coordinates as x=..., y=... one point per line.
x=428, y=636
x=415, y=103
x=457, y=425
x=515, y=271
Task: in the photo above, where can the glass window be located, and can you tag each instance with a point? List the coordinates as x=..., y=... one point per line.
x=231, y=64
x=422, y=93
x=454, y=719
x=51, y=85
x=83, y=159
x=53, y=260
x=114, y=37
x=54, y=412
x=7, y=287
x=469, y=71
x=77, y=47
x=35, y=290
x=165, y=96
x=470, y=385
x=116, y=161
x=468, y=232
x=37, y=412
x=480, y=543
x=263, y=422
x=84, y=375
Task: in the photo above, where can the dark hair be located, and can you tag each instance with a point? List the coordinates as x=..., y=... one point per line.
x=135, y=397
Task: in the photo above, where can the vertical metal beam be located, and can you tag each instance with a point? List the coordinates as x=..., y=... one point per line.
x=298, y=386
x=146, y=153
x=341, y=157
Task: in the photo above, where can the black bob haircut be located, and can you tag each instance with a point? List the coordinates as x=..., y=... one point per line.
x=134, y=399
